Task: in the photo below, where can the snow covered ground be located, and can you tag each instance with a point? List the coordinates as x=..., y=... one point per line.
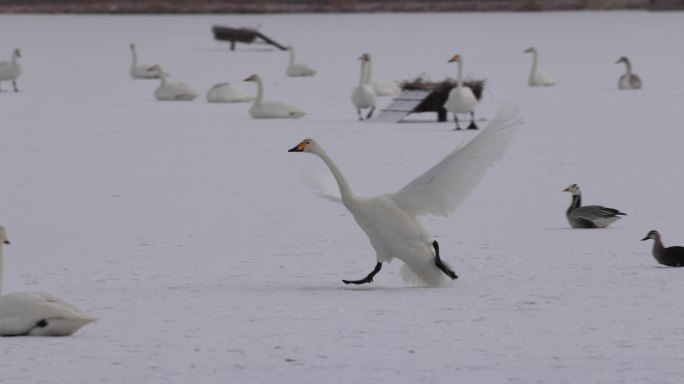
x=193, y=235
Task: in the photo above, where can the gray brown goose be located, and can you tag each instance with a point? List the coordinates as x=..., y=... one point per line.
x=670, y=256
x=590, y=216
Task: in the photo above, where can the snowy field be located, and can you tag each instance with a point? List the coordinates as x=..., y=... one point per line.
x=193, y=234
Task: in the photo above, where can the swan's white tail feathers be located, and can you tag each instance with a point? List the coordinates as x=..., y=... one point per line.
x=425, y=274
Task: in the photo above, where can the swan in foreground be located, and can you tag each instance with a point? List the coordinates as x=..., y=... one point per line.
x=10, y=70
x=461, y=98
x=298, y=69
x=227, y=93
x=589, y=216
x=363, y=95
x=538, y=79
x=37, y=313
x=629, y=80
x=271, y=109
x=670, y=256
x=390, y=221
x=381, y=87
x=172, y=90
x=141, y=71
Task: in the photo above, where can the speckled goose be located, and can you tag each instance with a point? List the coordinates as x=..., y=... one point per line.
x=670, y=256
x=590, y=216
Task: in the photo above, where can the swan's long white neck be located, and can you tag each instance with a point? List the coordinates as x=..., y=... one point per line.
x=162, y=76
x=363, y=77
x=135, y=57
x=345, y=190
x=460, y=73
x=292, y=56
x=533, y=72
x=260, y=91
x=368, y=70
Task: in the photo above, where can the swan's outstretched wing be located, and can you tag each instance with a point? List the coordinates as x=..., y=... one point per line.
x=443, y=187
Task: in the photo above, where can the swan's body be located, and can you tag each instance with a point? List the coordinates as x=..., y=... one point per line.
x=380, y=87
x=141, y=71
x=629, y=80
x=670, y=256
x=538, y=78
x=271, y=109
x=363, y=95
x=588, y=216
x=297, y=69
x=461, y=98
x=390, y=220
x=227, y=93
x=10, y=70
x=37, y=313
x=172, y=90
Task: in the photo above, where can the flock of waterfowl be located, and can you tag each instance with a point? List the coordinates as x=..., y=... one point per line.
x=389, y=220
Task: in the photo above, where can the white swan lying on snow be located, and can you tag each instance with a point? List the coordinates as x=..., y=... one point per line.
x=363, y=95
x=390, y=221
x=37, y=313
x=271, y=109
x=629, y=80
x=173, y=90
x=227, y=93
x=381, y=87
x=298, y=69
x=138, y=71
x=10, y=70
x=538, y=79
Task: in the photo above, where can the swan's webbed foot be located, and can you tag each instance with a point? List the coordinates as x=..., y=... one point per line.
x=443, y=267
x=358, y=111
x=368, y=116
x=472, y=121
x=367, y=279
x=458, y=127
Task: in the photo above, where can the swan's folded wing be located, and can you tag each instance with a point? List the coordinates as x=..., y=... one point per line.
x=442, y=188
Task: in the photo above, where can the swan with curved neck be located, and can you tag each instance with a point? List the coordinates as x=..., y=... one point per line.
x=390, y=220
x=295, y=69
x=139, y=71
x=363, y=95
x=271, y=109
x=538, y=78
x=10, y=70
x=172, y=90
x=461, y=98
x=37, y=313
x=380, y=87
x=628, y=80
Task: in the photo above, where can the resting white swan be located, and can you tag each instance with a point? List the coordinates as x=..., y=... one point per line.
x=172, y=90
x=538, y=79
x=381, y=87
x=227, y=93
x=139, y=71
x=461, y=98
x=271, y=109
x=10, y=70
x=389, y=220
x=629, y=80
x=298, y=69
x=363, y=95
x=37, y=313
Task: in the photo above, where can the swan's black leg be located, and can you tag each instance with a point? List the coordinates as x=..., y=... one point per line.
x=370, y=113
x=458, y=127
x=443, y=267
x=358, y=110
x=366, y=279
x=472, y=121
x=14, y=83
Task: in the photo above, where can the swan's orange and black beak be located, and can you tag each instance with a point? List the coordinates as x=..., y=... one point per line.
x=454, y=58
x=299, y=148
